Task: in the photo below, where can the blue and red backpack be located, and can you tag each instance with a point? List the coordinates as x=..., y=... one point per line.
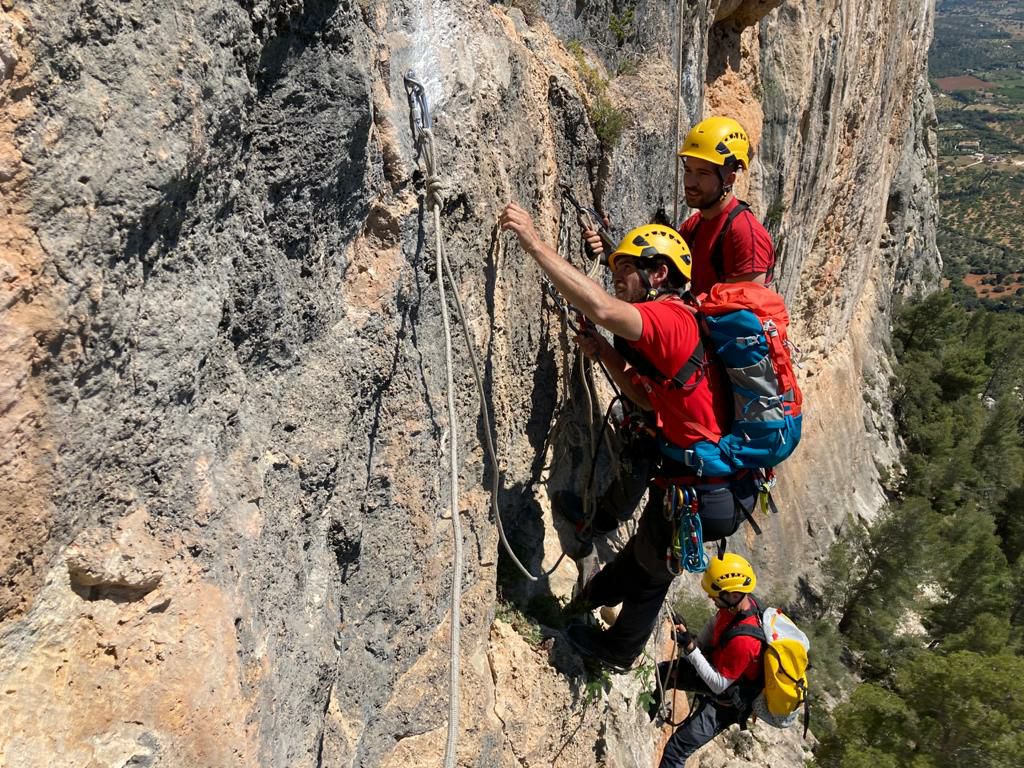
x=743, y=327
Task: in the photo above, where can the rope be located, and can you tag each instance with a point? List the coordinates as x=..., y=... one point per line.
x=420, y=124
x=586, y=370
x=679, y=89
x=453, y=678
x=489, y=436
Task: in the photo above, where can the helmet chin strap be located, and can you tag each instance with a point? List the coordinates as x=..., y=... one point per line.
x=651, y=293
x=731, y=606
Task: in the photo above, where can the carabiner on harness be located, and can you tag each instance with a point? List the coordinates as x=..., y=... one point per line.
x=686, y=549
x=765, y=481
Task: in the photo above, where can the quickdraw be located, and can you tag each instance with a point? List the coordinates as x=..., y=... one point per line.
x=591, y=219
x=686, y=552
x=419, y=110
x=765, y=483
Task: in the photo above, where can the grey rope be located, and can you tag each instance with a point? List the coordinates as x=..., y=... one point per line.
x=423, y=135
x=424, y=140
x=679, y=88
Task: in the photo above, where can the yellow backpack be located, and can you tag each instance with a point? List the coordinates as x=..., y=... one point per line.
x=785, y=668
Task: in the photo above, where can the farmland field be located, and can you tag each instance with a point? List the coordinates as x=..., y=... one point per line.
x=977, y=67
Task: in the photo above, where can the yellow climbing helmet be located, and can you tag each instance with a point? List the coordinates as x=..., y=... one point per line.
x=728, y=573
x=717, y=140
x=651, y=241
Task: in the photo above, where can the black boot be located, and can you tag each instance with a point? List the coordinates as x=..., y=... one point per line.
x=590, y=643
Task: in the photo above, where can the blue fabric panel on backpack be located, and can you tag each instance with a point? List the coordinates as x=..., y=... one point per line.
x=710, y=461
x=761, y=444
x=750, y=445
x=738, y=338
x=703, y=456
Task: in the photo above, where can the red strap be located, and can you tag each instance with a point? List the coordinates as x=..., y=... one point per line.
x=783, y=368
x=703, y=431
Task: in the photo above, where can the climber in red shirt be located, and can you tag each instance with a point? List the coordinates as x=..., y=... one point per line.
x=728, y=243
x=658, y=363
x=723, y=667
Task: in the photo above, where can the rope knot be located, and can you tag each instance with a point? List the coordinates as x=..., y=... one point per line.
x=435, y=190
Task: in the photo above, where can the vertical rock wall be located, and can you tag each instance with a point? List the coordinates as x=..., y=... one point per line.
x=223, y=528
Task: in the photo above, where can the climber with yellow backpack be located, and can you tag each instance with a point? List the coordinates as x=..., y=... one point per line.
x=745, y=662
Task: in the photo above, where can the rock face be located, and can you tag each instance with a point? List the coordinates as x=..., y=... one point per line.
x=224, y=536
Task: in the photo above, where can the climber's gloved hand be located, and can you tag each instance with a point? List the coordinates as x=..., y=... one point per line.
x=682, y=635
x=683, y=638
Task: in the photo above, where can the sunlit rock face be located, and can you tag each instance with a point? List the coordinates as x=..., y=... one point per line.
x=223, y=504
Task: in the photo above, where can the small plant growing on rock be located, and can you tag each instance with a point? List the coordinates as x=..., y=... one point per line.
x=621, y=25
x=608, y=120
x=644, y=675
x=598, y=682
x=527, y=628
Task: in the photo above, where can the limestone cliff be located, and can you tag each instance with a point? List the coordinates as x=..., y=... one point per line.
x=223, y=492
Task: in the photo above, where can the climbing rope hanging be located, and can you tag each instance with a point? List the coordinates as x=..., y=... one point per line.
x=590, y=219
x=420, y=123
x=679, y=99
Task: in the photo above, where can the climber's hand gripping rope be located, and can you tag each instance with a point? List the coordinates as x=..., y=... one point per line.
x=590, y=220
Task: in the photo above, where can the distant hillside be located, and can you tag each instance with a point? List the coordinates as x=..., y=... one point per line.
x=977, y=68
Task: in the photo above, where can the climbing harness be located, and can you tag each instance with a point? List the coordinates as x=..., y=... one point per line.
x=686, y=551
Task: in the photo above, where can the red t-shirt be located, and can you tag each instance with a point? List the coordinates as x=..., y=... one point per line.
x=747, y=247
x=667, y=340
x=741, y=657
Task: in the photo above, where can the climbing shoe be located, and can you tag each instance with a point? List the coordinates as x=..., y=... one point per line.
x=589, y=643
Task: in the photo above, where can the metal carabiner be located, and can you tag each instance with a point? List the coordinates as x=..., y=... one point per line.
x=419, y=109
x=590, y=218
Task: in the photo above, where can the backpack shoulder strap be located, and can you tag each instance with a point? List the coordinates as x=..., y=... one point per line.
x=717, y=259
x=744, y=630
x=735, y=629
x=696, y=362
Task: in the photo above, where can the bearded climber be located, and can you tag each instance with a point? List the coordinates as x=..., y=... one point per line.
x=727, y=241
x=657, y=362
x=729, y=244
x=723, y=665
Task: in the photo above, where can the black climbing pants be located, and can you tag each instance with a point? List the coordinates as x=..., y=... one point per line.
x=625, y=581
x=707, y=718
